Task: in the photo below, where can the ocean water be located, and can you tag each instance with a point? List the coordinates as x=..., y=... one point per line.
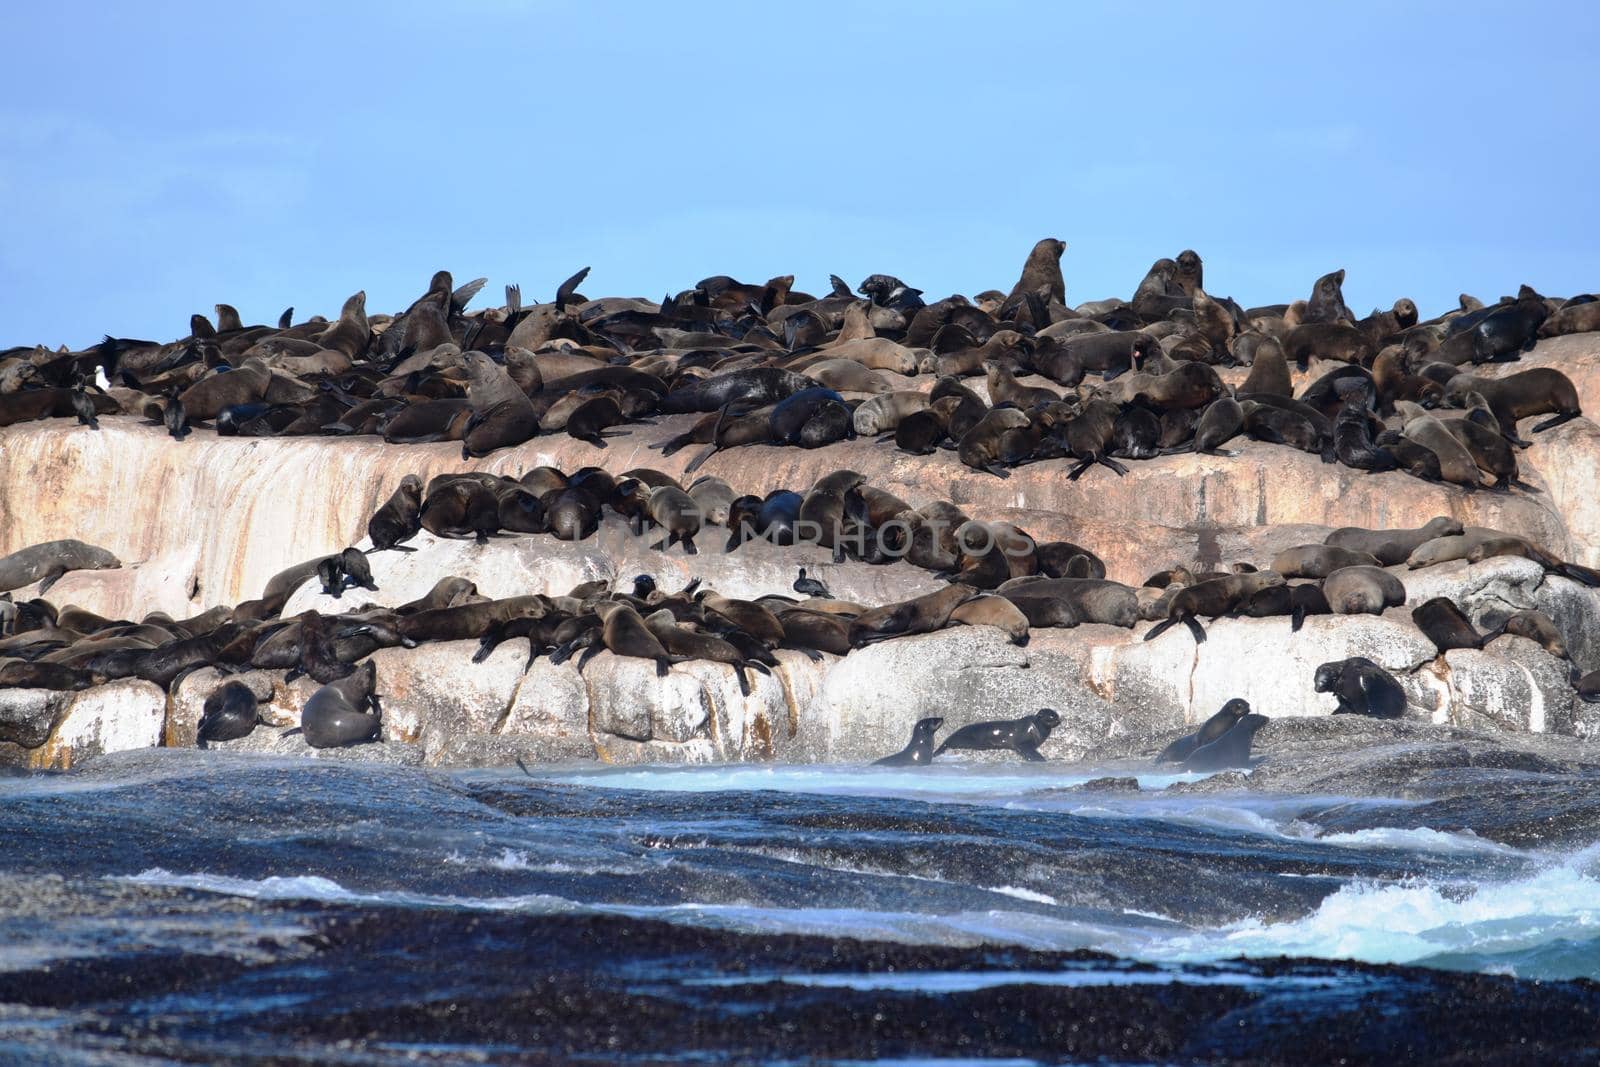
x=214, y=905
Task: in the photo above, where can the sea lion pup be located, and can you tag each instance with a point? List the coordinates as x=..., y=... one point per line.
x=714, y=497
x=1213, y=728
x=1002, y=437
x=230, y=713
x=358, y=573
x=1361, y=688
x=1041, y=273
x=330, y=573
x=1362, y=590
x=811, y=586
x=919, y=615
x=1446, y=625
x=49, y=560
x=1479, y=432
x=1391, y=547
x=1213, y=598
x=502, y=414
x=1334, y=342
x=1231, y=750
x=832, y=511
x=919, y=752
x=1540, y=391
x=1063, y=559
x=1108, y=354
x=461, y=508
x=885, y=412
x=1022, y=736
x=1318, y=561
x=995, y=611
x=332, y=717
x=1537, y=627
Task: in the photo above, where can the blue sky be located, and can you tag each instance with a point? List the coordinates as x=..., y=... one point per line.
x=157, y=159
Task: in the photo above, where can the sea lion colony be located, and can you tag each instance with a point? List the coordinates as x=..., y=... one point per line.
x=1115, y=380
x=767, y=364
x=997, y=576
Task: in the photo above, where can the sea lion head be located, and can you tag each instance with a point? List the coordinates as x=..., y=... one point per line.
x=1237, y=707
x=1048, y=718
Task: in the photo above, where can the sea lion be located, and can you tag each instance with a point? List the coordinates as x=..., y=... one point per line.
x=1230, y=750
x=1353, y=440
x=1391, y=547
x=1071, y=601
x=1335, y=342
x=1362, y=590
x=1537, y=627
x=1327, y=300
x=573, y=514
x=1446, y=625
x=244, y=384
x=750, y=386
x=332, y=719
x=885, y=412
x=919, y=752
x=994, y=611
x=677, y=513
x=459, y=508
x=1573, y=318
x=1222, y=420
x=502, y=415
x=1361, y=688
x=1318, y=561
x=1022, y=736
x=1540, y=391
x=623, y=632
x=1212, y=598
x=1456, y=464
x=810, y=586
x=230, y=713
x=685, y=644
x=919, y=615
x=1002, y=437
x=1211, y=730
x=1278, y=424
x=1042, y=273
x=46, y=562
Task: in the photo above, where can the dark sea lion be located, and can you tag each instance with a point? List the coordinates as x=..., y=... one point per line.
x=1445, y=625
x=1192, y=385
x=1230, y=750
x=1022, y=736
x=1327, y=300
x=1136, y=434
x=331, y=717
x=1063, y=559
x=49, y=561
x=1318, y=561
x=1089, y=438
x=1391, y=547
x=1362, y=688
x=1362, y=590
x=1188, y=274
x=682, y=643
x=230, y=713
x=1502, y=333
x=573, y=514
x=1284, y=420
x=1211, y=730
x=1042, y=272
x=427, y=421
x=1212, y=598
x=1220, y=422
x=1353, y=440
x=754, y=386
x=592, y=421
x=919, y=752
x=1108, y=354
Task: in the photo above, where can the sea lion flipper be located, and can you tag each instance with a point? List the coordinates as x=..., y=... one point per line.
x=565, y=291
x=50, y=578
x=1031, y=754
x=1195, y=628
x=1159, y=628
